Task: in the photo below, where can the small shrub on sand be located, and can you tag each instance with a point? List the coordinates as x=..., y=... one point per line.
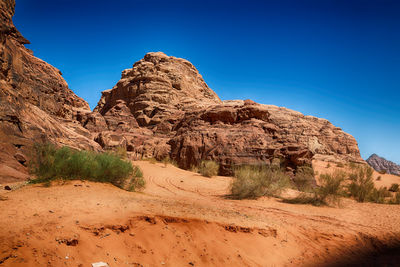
x=394, y=188
x=194, y=168
x=362, y=185
x=167, y=160
x=257, y=181
x=305, y=178
x=329, y=191
x=379, y=195
x=49, y=163
x=379, y=178
x=208, y=168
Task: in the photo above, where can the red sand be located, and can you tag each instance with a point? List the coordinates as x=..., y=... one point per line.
x=182, y=219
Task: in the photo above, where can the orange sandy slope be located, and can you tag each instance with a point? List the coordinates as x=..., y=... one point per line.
x=182, y=219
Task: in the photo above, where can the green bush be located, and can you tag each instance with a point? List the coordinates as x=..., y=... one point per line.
x=208, y=168
x=257, y=181
x=362, y=185
x=394, y=188
x=49, y=163
x=305, y=178
x=329, y=191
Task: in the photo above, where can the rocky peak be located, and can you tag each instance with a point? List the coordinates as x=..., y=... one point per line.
x=383, y=165
x=156, y=87
x=35, y=102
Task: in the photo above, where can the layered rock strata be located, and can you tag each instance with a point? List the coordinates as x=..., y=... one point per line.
x=163, y=108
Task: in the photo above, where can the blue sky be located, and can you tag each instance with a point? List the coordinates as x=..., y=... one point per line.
x=338, y=60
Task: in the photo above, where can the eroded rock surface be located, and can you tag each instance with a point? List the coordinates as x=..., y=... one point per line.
x=35, y=102
x=162, y=107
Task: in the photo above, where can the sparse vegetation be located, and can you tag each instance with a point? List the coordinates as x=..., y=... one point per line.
x=379, y=178
x=362, y=185
x=328, y=192
x=121, y=152
x=256, y=181
x=194, y=168
x=50, y=163
x=305, y=178
x=394, y=188
x=167, y=160
x=379, y=195
x=208, y=168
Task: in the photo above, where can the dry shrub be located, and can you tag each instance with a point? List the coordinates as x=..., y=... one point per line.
x=305, y=178
x=394, y=188
x=362, y=185
x=167, y=160
x=328, y=192
x=208, y=168
x=256, y=181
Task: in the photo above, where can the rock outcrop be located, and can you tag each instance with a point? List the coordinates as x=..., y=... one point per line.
x=162, y=107
x=35, y=102
x=383, y=165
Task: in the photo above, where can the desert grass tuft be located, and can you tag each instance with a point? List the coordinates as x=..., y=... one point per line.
x=50, y=163
x=328, y=192
x=256, y=181
x=208, y=168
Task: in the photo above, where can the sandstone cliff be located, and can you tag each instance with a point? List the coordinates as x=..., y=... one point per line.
x=35, y=102
x=383, y=165
x=162, y=107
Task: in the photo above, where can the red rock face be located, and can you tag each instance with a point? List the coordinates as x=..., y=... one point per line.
x=179, y=116
x=161, y=107
x=35, y=102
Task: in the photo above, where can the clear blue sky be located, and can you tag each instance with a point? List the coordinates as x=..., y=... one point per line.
x=338, y=60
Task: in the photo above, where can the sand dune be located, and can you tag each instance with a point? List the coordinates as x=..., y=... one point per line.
x=183, y=219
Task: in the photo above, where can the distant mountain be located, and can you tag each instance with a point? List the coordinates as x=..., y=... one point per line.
x=381, y=164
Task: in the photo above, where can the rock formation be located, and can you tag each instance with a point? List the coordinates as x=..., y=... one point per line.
x=162, y=107
x=383, y=165
x=35, y=102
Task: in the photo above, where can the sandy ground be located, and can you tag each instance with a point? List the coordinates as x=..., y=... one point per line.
x=184, y=219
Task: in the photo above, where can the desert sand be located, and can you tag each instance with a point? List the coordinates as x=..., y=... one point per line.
x=184, y=219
